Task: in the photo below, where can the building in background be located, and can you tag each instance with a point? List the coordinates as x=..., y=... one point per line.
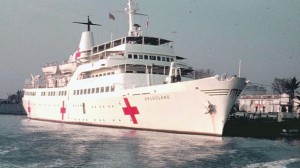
x=254, y=98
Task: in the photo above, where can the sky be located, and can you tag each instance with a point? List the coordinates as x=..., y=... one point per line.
x=211, y=34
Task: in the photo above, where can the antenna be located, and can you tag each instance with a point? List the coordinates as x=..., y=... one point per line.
x=174, y=34
x=89, y=23
x=240, y=64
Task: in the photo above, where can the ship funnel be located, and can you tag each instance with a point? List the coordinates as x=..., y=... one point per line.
x=86, y=41
x=85, y=45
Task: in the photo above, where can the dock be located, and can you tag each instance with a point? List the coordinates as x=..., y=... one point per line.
x=12, y=109
x=262, y=126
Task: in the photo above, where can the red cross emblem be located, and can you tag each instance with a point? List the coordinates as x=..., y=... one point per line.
x=63, y=110
x=132, y=111
x=29, y=109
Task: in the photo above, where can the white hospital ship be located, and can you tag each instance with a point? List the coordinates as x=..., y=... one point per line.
x=134, y=82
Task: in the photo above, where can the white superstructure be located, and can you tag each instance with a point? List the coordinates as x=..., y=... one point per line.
x=131, y=82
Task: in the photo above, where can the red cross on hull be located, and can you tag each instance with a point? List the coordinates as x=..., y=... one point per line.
x=29, y=109
x=132, y=111
x=63, y=110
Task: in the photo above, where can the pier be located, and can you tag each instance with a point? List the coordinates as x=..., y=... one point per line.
x=262, y=125
x=12, y=109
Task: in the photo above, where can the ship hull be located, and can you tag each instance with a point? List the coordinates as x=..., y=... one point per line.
x=194, y=107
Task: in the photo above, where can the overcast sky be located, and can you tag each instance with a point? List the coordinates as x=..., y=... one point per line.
x=214, y=34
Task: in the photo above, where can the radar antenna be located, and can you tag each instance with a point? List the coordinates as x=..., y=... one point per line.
x=89, y=23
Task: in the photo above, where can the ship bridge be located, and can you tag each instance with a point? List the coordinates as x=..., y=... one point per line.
x=133, y=48
x=140, y=40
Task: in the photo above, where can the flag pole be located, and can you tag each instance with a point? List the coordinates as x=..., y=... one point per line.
x=111, y=36
x=111, y=17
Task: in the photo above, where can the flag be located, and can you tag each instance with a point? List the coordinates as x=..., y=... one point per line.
x=147, y=24
x=111, y=16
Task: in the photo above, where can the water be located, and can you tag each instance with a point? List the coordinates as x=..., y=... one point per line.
x=30, y=143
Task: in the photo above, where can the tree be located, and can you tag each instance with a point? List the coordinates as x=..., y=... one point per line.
x=279, y=86
x=298, y=97
x=288, y=86
x=202, y=73
x=291, y=87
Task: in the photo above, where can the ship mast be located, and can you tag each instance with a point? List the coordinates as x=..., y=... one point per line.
x=134, y=29
x=130, y=14
x=89, y=23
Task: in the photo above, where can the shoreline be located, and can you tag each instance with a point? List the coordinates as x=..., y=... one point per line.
x=12, y=109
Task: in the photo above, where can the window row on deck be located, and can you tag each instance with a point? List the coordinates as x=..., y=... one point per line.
x=94, y=90
x=150, y=57
x=30, y=93
x=49, y=93
x=54, y=93
x=75, y=92
x=102, y=74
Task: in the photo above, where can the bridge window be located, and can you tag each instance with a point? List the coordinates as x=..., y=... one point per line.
x=117, y=42
x=94, y=49
x=100, y=48
x=145, y=57
x=135, y=56
x=158, y=58
x=152, y=57
x=107, y=45
x=129, y=56
x=112, y=89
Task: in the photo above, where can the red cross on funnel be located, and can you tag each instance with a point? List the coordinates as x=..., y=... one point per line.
x=63, y=110
x=77, y=54
x=132, y=111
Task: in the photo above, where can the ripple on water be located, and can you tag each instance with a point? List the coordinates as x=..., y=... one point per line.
x=274, y=164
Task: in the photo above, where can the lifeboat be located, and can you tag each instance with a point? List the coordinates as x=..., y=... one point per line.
x=68, y=67
x=50, y=69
